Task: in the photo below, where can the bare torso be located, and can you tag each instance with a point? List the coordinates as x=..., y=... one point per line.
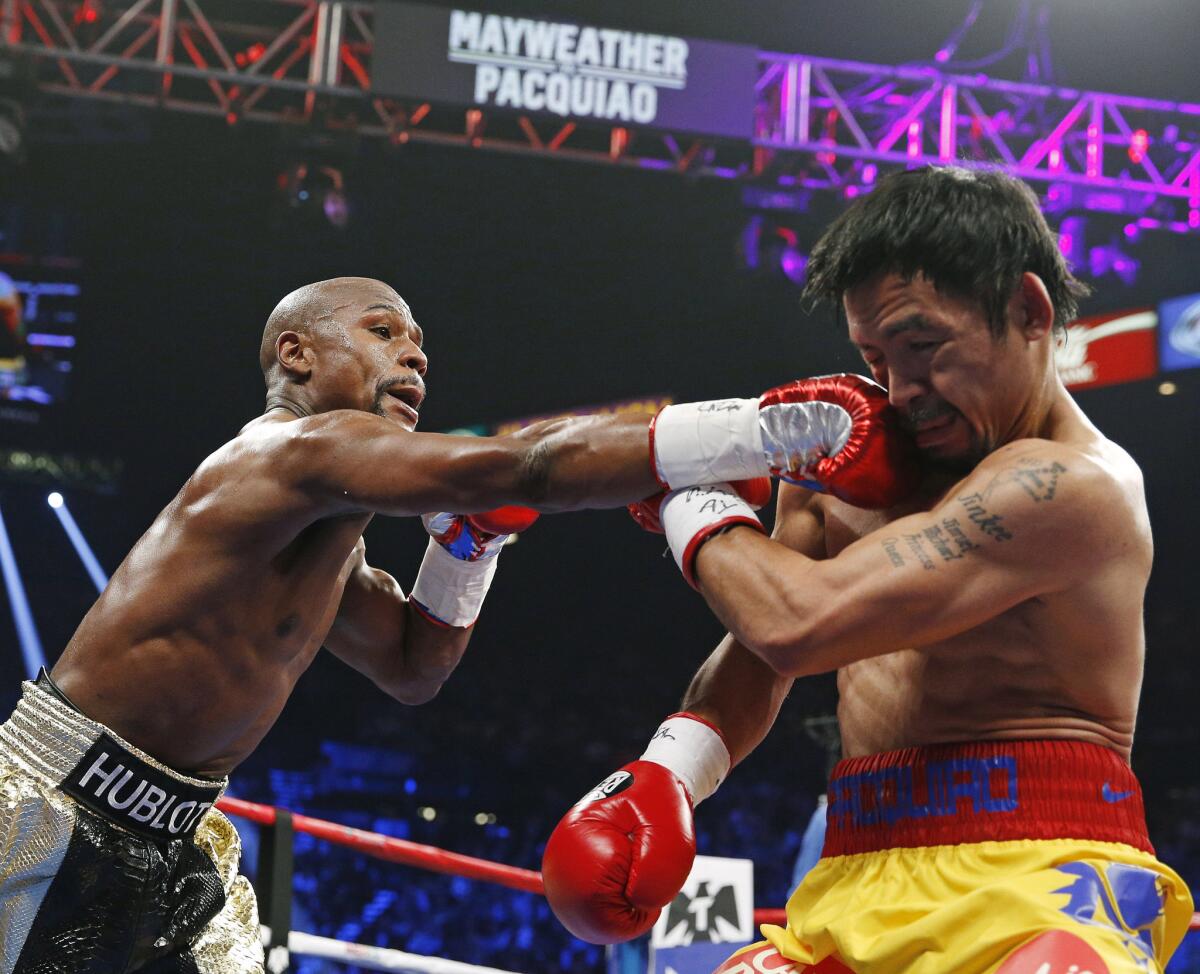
x=1066, y=664
x=198, y=640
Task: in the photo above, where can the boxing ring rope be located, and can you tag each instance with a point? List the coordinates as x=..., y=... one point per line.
x=422, y=856
x=393, y=850
x=375, y=958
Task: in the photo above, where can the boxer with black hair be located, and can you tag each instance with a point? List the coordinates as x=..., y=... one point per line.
x=986, y=633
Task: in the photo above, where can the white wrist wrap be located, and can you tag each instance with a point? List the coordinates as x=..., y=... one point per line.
x=707, y=442
x=689, y=515
x=693, y=752
x=450, y=588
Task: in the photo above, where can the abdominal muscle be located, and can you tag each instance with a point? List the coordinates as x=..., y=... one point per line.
x=992, y=683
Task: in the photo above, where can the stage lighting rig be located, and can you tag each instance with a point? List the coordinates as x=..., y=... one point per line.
x=316, y=189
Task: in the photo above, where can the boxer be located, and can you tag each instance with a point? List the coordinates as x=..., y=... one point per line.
x=986, y=633
x=114, y=858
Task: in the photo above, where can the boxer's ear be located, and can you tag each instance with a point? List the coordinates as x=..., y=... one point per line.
x=1032, y=307
x=294, y=354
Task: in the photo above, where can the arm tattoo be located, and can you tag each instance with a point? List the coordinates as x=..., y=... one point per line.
x=1036, y=477
x=948, y=541
x=982, y=518
x=535, y=471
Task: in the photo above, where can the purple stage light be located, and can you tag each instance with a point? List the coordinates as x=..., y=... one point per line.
x=1070, y=240
x=50, y=341
x=793, y=264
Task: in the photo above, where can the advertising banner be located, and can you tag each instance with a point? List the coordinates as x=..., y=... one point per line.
x=1110, y=348
x=1179, y=333
x=573, y=71
x=710, y=918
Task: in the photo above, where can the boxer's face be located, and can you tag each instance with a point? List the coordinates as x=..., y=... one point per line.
x=960, y=390
x=373, y=354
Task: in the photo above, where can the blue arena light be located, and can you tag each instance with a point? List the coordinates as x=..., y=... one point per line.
x=27, y=635
x=78, y=541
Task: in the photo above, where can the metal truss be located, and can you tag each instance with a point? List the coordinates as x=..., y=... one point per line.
x=1094, y=151
x=819, y=124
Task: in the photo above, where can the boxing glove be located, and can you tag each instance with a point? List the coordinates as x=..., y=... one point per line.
x=625, y=849
x=756, y=493
x=691, y=516
x=836, y=433
x=461, y=560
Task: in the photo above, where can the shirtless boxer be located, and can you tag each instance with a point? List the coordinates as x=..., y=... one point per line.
x=112, y=857
x=986, y=633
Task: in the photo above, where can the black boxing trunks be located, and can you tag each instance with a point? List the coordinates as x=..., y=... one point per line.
x=109, y=860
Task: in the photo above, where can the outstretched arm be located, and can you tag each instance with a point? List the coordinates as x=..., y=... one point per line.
x=838, y=432
x=1029, y=520
x=358, y=462
x=380, y=634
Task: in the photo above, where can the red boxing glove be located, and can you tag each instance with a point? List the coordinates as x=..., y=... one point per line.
x=460, y=561
x=504, y=520
x=756, y=492
x=858, y=451
x=834, y=433
x=476, y=537
x=626, y=848
x=621, y=854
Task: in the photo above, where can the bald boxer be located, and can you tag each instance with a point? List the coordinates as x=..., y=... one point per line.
x=986, y=634
x=113, y=857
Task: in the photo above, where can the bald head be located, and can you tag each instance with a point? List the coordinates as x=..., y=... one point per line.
x=316, y=310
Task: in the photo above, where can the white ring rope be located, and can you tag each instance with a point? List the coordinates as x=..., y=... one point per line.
x=372, y=958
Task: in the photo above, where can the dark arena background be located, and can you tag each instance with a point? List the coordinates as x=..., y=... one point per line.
x=169, y=170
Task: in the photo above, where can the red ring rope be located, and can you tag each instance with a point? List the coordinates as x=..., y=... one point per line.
x=394, y=850
x=435, y=859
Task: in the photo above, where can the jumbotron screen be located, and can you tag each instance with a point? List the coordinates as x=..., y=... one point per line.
x=39, y=301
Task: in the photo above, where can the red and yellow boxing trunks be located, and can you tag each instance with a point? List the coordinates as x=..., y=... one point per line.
x=1023, y=857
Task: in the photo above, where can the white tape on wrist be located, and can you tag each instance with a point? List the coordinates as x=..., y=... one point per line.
x=690, y=516
x=693, y=752
x=708, y=442
x=451, y=589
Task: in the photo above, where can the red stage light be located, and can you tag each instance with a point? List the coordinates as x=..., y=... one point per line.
x=253, y=53
x=1139, y=142
x=87, y=12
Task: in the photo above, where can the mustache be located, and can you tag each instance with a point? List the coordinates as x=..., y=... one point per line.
x=384, y=386
x=926, y=412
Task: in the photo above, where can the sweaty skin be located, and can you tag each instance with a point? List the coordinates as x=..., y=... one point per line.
x=1004, y=602
x=195, y=645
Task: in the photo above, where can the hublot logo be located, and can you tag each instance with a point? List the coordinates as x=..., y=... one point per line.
x=126, y=790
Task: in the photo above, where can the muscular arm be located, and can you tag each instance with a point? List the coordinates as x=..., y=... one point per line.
x=1031, y=519
x=379, y=633
x=357, y=461
x=735, y=689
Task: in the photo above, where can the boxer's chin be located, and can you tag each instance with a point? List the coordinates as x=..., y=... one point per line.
x=957, y=456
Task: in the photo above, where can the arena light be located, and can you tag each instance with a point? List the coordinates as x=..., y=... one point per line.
x=90, y=563
x=27, y=634
x=768, y=247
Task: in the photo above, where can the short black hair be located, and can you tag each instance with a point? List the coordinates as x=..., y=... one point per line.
x=971, y=232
